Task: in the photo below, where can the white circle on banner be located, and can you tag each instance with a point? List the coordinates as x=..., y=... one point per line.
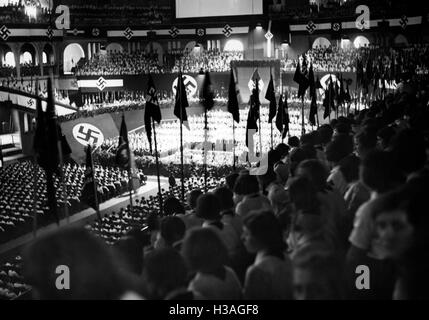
x=86, y=133
x=190, y=83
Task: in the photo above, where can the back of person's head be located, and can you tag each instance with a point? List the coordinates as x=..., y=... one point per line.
x=343, y=128
x=325, y=134
x=293, y=142
x=378, y=171
x=282, y=149
x=246, y=184
x=225, y=197
x=204, y=250
x=409, y=149
x=230, y=180
x=265, y=229
x=349, y=167
x=86, y=263
x=303, y=194
x=172, y=206
x=273, y=157
x=308, y=138
x=365, y=141
x=315, y=171
x=318, y=274
x=297, y=155
x=129, y=251
x=164, y=271
x=192, y=198
x=339, y=147
x=172, y=229
x=208, y=207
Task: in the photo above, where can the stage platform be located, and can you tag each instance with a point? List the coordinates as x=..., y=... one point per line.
x=12, y=248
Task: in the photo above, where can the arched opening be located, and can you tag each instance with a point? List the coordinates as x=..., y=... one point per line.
x=361, y=41
x=7, y=58
x=233, y=45
x=114, y=48
x=48, y=54
x=400, y=40
x=321, y=42
x=27, y=55
x=156, y=49
x=72, y=55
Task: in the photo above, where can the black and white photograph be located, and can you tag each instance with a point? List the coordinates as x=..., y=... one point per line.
x=233, y=151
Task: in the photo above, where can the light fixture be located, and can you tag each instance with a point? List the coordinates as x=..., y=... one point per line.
x=258, y=26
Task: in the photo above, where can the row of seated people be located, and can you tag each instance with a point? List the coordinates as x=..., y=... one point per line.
x=111, y=229
x=350, y=193
x=413, y=58
x=27, y=70
x=140, y=62
x=19, y=197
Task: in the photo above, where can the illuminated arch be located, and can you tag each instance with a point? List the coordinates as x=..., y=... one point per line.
x=321, y=42
x=361, y=41
x=114, y=46
x=233, y=45
x=400, y=40
x=6, y=55
x=27, y=54
x=72, y=54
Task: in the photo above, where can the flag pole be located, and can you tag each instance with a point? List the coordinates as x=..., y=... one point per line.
x=205, y=151
x=302, y=115
x=157, y=167
x=233, y=144
x=182, y=178
x=35, y=170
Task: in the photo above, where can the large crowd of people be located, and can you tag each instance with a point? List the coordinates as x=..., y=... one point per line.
x=350, y=193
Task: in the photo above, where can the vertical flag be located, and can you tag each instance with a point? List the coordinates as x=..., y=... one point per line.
x=181, y=101
x=232, y=98
x=207, y=97
x=89, y=190
x=253, y=115
x=301, y=77
x=123, y=157
x=282, y=117
x=1, y=156
x=313, y=105
x=271, y=96
x=152, y=110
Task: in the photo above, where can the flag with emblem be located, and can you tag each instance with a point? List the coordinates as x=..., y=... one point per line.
x=301, y=77
x=152, y=110
x=181, y=101
x=232, y=98
x=89, y=189
x=282, y=117
x=270, y=95
x=328, y=101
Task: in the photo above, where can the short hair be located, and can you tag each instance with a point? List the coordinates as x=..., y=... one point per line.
x=316, y=172
x=192, y=197
x=204, y=250
x=172, y=229
x=366, y=138
x=303, y=194
x=264, y=226
x=208, y=207
x=338, y=148
x=283, y=149
x=172, y=206
x=166, y=269
x=246, y=184
x=325, y=133
x=225, y=197
x=349, y=167
x=293, y=142
x=378, y=171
